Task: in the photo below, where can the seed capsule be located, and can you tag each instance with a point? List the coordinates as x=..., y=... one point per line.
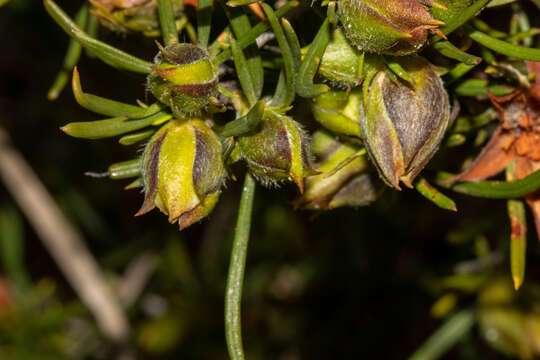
x=403, y=125
x=396, y=27
x=183, y=171
x=278, y=151
x=184, y=78
x=338, y=111
x=345, y=179
x=124, y=16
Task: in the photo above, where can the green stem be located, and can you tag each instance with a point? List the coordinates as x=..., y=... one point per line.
x=233, y=294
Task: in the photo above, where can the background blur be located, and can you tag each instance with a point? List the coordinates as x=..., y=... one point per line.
x=347, y=284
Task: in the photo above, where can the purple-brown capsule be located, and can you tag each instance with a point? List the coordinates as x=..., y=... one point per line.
x=278, y=151
x=345, y=177
x=403, y=124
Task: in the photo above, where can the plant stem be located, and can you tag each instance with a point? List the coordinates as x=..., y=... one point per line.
x=233, y=295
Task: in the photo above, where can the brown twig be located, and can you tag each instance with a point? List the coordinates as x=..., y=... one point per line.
x=62, y=241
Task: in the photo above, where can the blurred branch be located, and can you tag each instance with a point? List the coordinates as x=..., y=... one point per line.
x=136, y=277
x=61, y=240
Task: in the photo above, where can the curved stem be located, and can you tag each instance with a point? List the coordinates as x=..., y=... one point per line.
x=233, y=295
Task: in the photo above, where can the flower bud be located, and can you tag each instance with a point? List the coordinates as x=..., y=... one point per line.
x=397, y=27
x=340, y=64
x=345, y=179
x=184, y=78
x=278, y=151
x=402, y=124
x=338, y=111
x=183, y=171
x=131, y=15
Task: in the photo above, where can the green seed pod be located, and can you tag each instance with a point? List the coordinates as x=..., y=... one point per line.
x=278, y=151
x=341, y=62
x=402, y=124
x=182, y=171
x=345, y=179
x=185, y=79
x=397, y=27
x=338, y=111
x=124, y=16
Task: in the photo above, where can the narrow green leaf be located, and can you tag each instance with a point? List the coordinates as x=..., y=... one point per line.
x=434, y=195
x=92, y=29
x=286, y=98
x=112, y=127
x=233, y=3
x=442, y=340
x=240, y=24
x=125, y=169
x=455, y=140
x=308, y=69
x=397, y=69
x=494, y=3
x=135, y=138
x=294, y=43
x=242, y=71
x=134, y=184
x=479, y=87
x=518, y=234
x=493, y=189
x=245, y=124
x=101, y=105
x=447, y=49
x=72, y=57
x=204, y=21
x=457, y=73
x=518, y=241
x=252, y=35
x=108, y=54
x=465, y=16
x=466, y=124
x=167, y=22
x=505, y=48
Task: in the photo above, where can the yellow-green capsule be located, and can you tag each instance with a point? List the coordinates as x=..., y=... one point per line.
x=182, y=171
x=344, y=179
x=339, y=111
x=124, y=16
x=185, y=79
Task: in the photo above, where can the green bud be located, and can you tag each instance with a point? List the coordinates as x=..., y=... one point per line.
x=278, y=151
x=345, y=178
x=182, y=171
x=338, y=111
x=341, y=62
x=124, y=16
x=396, y=27
x=185, y=79
x=402, y=124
